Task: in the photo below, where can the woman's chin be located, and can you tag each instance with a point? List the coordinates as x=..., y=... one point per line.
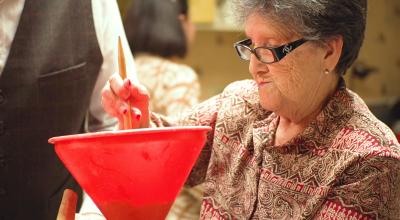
x=269, y=106
x=268, y=101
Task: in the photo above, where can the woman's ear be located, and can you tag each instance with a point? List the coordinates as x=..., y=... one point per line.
x=334, y=47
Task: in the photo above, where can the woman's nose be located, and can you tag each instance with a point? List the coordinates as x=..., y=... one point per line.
x=256, y=66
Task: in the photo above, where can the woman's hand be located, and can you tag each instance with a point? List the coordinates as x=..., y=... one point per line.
x=120, y=98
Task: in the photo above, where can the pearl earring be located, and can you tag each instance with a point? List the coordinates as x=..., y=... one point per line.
x=326, y=71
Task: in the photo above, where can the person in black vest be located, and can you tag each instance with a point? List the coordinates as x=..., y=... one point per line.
x=55, y=57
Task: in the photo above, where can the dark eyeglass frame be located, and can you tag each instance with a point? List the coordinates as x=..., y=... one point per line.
x=278, y=52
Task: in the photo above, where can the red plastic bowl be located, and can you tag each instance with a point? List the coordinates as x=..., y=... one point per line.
x=132, y=174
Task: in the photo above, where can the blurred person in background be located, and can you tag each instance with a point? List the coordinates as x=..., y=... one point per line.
x=55, y=57
x=159, y=34
x=294, y=142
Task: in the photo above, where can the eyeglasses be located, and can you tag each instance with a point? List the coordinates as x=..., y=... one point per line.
x=266, y=55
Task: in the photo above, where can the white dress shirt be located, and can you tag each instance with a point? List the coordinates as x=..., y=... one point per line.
x=108, y=26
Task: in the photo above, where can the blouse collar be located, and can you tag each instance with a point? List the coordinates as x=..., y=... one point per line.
x=324, y=128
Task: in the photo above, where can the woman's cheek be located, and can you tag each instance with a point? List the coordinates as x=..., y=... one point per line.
x=288, y=80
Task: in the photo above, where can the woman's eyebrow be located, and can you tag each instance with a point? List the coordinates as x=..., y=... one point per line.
x=267, y=42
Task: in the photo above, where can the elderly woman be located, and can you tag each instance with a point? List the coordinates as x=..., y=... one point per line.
x=294, y=142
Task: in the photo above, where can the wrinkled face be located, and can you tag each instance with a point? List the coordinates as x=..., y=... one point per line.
x=293, y=84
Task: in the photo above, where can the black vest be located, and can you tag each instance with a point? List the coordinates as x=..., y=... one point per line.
x=45, y=91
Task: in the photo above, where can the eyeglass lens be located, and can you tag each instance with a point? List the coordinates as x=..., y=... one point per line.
x=264, y=54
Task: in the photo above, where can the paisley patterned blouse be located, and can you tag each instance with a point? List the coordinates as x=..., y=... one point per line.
x=344, y=165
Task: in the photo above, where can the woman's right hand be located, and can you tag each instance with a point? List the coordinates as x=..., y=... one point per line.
x=121, y=97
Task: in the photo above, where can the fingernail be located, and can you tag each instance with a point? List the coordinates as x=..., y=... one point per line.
x=137, y=113
x=128, y=83
x=124, y=111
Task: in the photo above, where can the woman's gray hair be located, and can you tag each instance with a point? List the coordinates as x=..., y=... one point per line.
x=315, y=20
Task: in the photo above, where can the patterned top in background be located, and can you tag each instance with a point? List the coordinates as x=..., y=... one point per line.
x=345, y=165
x=173, y=88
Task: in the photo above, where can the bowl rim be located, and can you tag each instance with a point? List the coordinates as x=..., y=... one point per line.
x=102, y=134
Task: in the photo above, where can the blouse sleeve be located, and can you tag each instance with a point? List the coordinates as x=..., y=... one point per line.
x=370, y=189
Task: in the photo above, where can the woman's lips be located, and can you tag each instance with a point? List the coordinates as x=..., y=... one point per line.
x=261, y=83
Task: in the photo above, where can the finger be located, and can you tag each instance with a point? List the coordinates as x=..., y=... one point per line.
x=142, y=102
x=131, y=121
x=139, y=92
x=111, y=90
x=136, y=116
x=68, y=205
x=127, y=117
x=111, y=102
x=120, y=87
x=115, y=107
x=127, y=83
x=108, y=101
